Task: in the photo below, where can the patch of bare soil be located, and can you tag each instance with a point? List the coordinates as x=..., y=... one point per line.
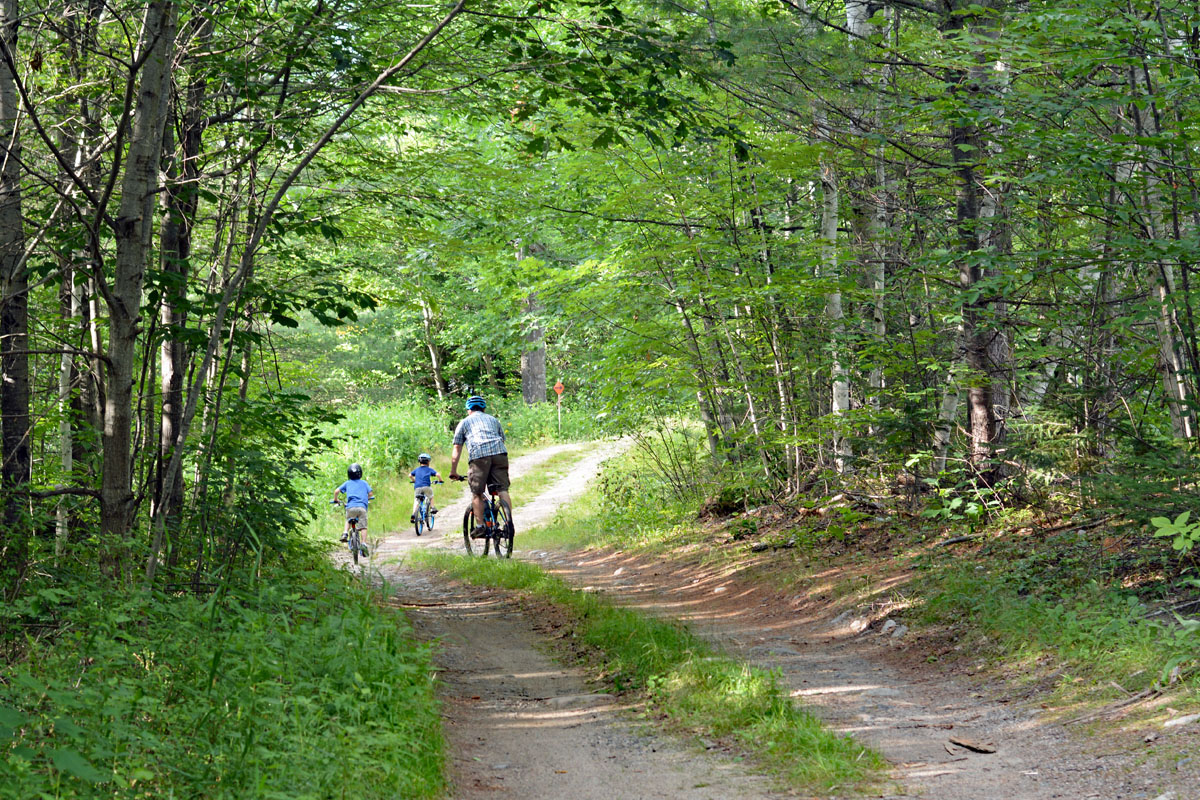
x=948, y=738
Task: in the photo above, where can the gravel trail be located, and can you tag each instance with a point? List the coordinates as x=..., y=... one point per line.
x=521, y=726
x=518, y=724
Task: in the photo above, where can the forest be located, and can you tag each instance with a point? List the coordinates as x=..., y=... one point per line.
x=935, y=250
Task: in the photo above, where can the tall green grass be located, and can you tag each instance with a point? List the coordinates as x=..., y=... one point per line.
x=297, y=685
x=699, y=689
x=1103, y=635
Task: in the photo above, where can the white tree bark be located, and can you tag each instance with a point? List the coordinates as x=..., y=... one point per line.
x=830, y=270
x=134, y=228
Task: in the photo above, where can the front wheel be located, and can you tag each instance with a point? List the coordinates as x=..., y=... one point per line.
x=417, y=518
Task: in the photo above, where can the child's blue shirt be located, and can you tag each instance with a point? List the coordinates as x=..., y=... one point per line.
x=422, y=476
x=358, y=493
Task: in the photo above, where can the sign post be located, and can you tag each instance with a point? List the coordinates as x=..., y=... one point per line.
x=558, y=389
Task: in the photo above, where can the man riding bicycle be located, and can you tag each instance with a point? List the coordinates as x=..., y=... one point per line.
x=487, y=457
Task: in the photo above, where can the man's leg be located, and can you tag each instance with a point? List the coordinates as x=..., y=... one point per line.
x=477, y=472
x=498, y=476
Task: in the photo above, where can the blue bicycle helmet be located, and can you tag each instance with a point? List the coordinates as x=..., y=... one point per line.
x=476, y=403
x=424, y=458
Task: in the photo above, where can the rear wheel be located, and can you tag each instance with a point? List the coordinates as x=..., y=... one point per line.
x=504, y=531
x=354, y=546
x=468, y=526
x=418, y=518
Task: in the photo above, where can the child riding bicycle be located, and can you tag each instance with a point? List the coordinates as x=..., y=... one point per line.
x=422, y=481
x=358, y=496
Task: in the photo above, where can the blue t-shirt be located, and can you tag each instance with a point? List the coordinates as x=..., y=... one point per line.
x=421, y=476
x=357, y=493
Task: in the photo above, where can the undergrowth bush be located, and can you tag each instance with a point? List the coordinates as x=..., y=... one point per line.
x=294, y=685
x=1107, y=631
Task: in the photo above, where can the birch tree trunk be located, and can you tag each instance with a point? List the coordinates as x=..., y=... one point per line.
x=1160, y=275
x=435, y=355
x=831, y=270
x=180, y=203
x=134, y=228
x=66, y=424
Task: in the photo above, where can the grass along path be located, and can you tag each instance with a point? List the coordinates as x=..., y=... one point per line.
x=683, y=680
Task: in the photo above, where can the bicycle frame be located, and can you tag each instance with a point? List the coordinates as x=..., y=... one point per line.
x=497, y=520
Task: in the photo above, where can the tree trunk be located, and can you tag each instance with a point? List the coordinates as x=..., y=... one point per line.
x=66, y=423
x=435, y=354
x=14, y=319
x=180, y=203
x=133, y=232
x=967, y=148
x=489, y=367
x=533, y=357
x=830, y=269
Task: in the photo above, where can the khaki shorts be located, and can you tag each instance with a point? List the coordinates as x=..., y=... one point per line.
x=360, y=513
x=489, y=471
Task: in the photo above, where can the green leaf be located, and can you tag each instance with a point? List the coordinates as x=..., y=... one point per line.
x=1182, y=519
x=74, y=764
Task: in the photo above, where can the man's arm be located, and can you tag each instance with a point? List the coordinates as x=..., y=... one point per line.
x=455, y=454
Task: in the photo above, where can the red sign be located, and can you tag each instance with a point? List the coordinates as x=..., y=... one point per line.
x=558, y=387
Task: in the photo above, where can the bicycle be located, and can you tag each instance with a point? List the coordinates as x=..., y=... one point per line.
x=423, y=516
x=497, y=519
x=353, y=540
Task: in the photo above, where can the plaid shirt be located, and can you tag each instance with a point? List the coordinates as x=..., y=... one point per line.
x=482, y=434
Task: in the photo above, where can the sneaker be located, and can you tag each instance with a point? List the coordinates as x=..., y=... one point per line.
x=480, y=532
x=433, y=511
x=345, y=536
x=363, y=551
x=412, y=518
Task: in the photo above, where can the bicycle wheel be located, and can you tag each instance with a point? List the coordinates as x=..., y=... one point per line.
x=354, y=545
x=419, y=517
x=504, y=531
x=468, y=526
x=430, y=517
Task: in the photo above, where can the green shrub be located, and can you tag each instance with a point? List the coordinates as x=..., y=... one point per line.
x=297, y=686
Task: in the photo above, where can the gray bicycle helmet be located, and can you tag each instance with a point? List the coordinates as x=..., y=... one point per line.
x=424, y=458
x=354, y=472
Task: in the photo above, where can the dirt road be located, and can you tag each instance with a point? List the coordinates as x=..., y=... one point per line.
x=518, y=724
x=521, y=726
